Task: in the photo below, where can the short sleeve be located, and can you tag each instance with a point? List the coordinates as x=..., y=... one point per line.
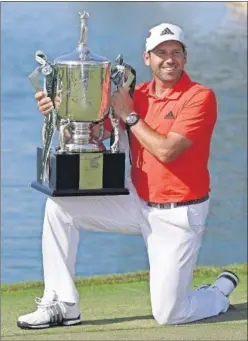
x=198, y=116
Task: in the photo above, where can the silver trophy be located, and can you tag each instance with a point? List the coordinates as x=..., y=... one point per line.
x=79, y=85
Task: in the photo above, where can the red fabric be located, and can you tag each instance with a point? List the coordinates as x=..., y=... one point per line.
x=194, y=109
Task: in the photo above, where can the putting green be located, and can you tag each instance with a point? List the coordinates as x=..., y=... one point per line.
x=118, y=308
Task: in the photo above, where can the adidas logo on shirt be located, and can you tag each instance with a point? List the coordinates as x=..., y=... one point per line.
x=166, y=31
x=170, y=115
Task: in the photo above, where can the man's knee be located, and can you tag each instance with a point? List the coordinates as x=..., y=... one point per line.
x=53, y=208
x=163, y=317
x=51, y=205
x=171, y=313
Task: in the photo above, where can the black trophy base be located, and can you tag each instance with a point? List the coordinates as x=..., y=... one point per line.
x=42, y=187
x=67, y=171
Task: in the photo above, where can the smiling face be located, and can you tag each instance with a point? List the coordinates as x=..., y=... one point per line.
x=167, y=62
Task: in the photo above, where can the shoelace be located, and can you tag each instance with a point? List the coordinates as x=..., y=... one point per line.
x=55, y=309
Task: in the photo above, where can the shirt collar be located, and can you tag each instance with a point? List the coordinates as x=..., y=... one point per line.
x=176, y=91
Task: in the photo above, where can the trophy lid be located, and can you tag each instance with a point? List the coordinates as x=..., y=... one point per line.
x=82, y=54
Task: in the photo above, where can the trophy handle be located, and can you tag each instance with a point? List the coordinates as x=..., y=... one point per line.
x=124, y=75
x=44, y=67
x=50, y=84
x=130, y=82
x=102, y=130
x=130, y=77
x=64, y=123
x=98, y=140
x=115, y=146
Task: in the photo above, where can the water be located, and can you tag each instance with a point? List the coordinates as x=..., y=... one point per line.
x=217, y=57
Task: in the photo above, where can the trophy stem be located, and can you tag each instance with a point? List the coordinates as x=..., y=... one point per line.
x=78, y=137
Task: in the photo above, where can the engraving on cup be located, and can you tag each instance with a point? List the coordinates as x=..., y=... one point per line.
x=84, y=92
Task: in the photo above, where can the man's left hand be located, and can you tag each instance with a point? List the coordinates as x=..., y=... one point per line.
x=122, y=103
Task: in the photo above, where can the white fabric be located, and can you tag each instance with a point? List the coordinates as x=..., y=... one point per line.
x=172, y=236
x=164, y=32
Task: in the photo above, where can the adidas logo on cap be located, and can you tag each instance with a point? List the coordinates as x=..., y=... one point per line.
x=166, y=31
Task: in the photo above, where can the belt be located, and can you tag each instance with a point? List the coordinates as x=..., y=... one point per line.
x=177, y=204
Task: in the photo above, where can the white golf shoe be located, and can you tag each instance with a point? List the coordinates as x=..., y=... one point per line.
x=225, y=283
x=50, y=312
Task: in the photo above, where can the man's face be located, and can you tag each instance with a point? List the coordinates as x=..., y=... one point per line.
x=166, y=61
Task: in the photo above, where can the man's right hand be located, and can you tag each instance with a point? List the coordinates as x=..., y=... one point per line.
x=44, y=102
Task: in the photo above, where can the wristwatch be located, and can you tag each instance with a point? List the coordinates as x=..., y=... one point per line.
x=132, y=119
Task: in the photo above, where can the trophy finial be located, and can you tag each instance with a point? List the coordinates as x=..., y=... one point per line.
x=119, y=59
x=84, y=29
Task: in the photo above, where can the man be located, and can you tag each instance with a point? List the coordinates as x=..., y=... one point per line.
x=171, y=120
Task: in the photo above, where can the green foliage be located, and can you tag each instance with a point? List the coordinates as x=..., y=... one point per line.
x=126, y=278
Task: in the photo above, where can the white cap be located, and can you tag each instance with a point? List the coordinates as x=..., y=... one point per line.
x=162, y=33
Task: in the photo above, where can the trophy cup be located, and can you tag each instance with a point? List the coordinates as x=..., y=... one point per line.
x=79, y=85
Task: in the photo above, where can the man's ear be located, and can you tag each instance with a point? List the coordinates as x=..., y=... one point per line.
x=146, y=57
x=185, y=56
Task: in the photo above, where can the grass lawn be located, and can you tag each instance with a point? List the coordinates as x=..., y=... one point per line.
x=118, y=308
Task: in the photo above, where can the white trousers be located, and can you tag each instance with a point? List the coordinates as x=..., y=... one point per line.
x=172, y=236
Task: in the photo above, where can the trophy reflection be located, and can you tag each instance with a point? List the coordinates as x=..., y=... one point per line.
x=79, y=85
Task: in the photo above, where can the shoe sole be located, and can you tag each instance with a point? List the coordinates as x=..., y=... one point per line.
x=231, y=276
x=64, y=323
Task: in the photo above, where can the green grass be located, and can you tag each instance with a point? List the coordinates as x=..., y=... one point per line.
x=117, y=307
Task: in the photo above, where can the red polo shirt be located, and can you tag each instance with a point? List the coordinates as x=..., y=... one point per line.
x=189, y=109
